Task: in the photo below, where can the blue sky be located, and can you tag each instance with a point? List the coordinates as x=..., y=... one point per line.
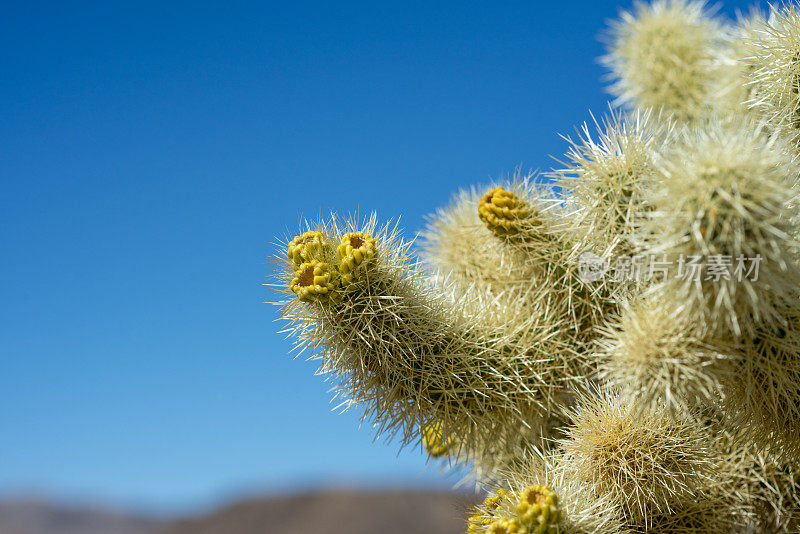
x=151, y=154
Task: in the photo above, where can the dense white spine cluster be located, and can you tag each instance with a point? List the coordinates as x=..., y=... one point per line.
x=612, y=347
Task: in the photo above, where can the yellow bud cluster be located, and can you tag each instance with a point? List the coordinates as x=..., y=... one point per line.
x=504, y=213
x=536, y=512
x=356, y=252
x=435, y=444
x=538, y=508
x=485, y=513
x=308, y=246
x=506, y=526
x=315, y=280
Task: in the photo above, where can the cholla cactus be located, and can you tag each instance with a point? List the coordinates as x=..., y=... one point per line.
x=612, y=347
x=664, y=359
x=774, y=60
x=665, y=55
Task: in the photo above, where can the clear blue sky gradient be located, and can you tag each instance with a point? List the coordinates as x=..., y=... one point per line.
x=150, y=155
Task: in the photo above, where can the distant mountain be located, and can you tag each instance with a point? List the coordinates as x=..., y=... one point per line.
x=327, y=512
x=338, y=512
x=36, y=517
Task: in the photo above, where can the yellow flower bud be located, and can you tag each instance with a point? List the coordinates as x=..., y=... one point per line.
x=308, y=246
x=504, y=213
x=435, y=444
x=356, y=252
x=315, y=280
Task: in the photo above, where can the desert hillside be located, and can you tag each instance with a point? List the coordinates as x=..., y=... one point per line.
x=328, y=512
x=338, y=512
x=31, y=516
